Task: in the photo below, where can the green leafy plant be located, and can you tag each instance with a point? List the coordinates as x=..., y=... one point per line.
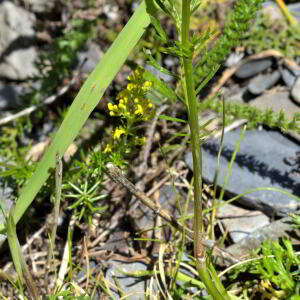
x=254, y=116
x=277, y=267
x=84, y=199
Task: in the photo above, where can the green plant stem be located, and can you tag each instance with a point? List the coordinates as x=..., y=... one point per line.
x=199, y=251
x=194, y=127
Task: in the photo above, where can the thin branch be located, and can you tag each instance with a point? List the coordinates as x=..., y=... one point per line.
x=116, y=175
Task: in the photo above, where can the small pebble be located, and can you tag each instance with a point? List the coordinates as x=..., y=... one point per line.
x=287, y=76
x=253, y=67
x=263, y=82
x=295, y=92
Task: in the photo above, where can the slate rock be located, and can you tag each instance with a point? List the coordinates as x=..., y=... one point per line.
x=9, y=97
x=238, y=96
x=261, y=162
x=158, y=74
x=134, y=287
x=293, y=67
x=295, y=92
x=17, y=49
x=90, y=58
x=145, y=217
x=273, y=231
x=240, y=222
x=40, y=6
x=287, y=76
x=263, y=82
x=6, y=202
x=277, y=101
x=253, y=67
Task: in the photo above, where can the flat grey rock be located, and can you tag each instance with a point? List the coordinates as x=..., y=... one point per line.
x=16, y=44
x=9, y=97
x=287, y=76
x=40, y=6
x=295, y=92
x=263, y=82
x=261, y=162
x=240, y=222
x=273, y=231
x=277, y=101
x=253, y=67
x=133, y=287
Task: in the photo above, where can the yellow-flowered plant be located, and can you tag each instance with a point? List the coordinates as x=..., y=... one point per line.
x=132, y=106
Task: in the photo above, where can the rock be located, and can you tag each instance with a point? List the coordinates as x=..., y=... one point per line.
x=40, y=6
x=90, y=58
x=287, y=76
x=233, y=59
x=261, y=162
x=17, y=53
x=84, y=272
x=6, y=202
x=277, y=101
x=133, y=287
x=144, y=217
x=263, y=82
x=240, y=222
x=274, y=231
x=295, y=92
x=158, y=74
x=253, y=67
x=238, y=96
x=8, y=96
x=293, y=67
x=19, y=65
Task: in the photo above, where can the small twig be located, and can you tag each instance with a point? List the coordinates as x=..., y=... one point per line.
x=116, y=175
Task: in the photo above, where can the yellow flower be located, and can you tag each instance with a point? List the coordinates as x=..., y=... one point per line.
x=118, y=132
x=130, y=86
x=110, y=106
x=148, y=84
x=150, y=105
x=122, y=106
x=107, y=148
x=139, y=110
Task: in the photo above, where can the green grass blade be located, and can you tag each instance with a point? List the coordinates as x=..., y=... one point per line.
x=84, y=103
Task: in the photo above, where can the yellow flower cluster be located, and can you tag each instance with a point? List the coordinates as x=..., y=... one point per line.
x=133, y=104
